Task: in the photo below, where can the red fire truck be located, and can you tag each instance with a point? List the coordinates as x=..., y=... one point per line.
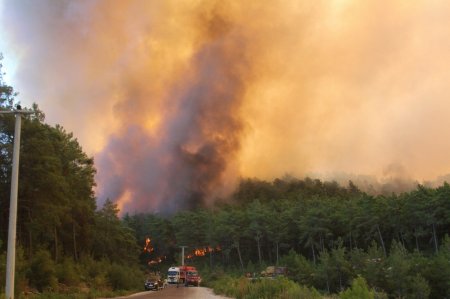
x=189, y=276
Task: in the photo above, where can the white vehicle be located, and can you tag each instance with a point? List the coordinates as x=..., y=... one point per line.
x=173, y=275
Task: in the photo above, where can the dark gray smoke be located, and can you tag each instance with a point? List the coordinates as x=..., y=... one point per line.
x=182, y=164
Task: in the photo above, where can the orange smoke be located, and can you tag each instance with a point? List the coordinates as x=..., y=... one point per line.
x=179, y=98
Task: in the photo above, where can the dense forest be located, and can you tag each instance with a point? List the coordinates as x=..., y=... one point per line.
x=326, y=234
x=63, y=238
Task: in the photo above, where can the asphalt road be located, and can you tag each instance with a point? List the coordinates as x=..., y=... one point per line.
x=172, y=292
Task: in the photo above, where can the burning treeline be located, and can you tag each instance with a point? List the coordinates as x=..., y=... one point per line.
x=201, y=251
x=178, y=98
x=148, y=248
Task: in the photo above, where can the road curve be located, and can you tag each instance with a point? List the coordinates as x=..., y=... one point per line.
x=172, y=292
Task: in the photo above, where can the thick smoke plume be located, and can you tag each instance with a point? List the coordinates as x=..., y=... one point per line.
x=177, y=99
x=184, y=161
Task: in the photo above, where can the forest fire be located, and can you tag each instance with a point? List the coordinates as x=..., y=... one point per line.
x=148, y=246
x=202, y=251
x=157, y=260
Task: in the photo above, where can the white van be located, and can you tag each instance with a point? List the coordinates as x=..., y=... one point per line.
x=173, y=275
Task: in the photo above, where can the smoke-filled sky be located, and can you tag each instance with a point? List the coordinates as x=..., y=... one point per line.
x=178, y=99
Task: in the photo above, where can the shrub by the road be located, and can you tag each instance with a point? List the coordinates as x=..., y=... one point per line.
x=360, y=290
x=281, y=288
x=42, y=271
x=124, y=278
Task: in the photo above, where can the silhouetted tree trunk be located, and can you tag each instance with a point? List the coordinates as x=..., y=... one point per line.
x=56, y=244
x=417, y=240
x=277, y=250
x=381, y=240
x=435, y=239
x=351, y=247
x=30, y=235
x=30, y=245
x=259, y=250
x=75, y=253
x=270, y=252
x=240, y=257
x=210, y=260
x=313, y=253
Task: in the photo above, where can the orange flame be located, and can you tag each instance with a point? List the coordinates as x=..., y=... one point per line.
x=148, y=246
x=202, y=251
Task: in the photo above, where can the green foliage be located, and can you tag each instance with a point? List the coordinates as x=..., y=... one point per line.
x=122, y=277
x=398, y=269
x=42, y=271
x=295, y=291
x=301, y=270
x=57, y=217
x=67, y=272
x=183, y=223
x=358, y=290
x=340, y=268
x=20, y=273
x=21, y=270
x=224, y=285
x=436, y=270
x=56, y=203
x=104, y=275
x=243, y=288
x=419, y=288
x=113, y=239
x=94, y=272
x=327, y=235
x=374, y=266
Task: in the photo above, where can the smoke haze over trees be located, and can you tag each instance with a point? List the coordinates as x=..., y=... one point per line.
x=200, y=93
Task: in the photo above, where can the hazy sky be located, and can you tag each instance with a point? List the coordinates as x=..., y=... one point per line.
x=177, y=99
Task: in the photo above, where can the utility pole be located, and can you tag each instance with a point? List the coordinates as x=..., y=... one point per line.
x=11, y=254
x=182, y=266
x=182, y=254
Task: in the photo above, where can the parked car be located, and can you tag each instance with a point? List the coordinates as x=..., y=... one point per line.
x=154, y=282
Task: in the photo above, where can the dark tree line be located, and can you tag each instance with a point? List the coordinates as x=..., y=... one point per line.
x=264, y=219
x=58, y=223
x=327, y=234
x=57, y=208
